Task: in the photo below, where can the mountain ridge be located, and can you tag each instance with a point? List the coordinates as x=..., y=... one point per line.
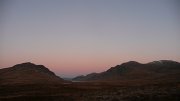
x=133, y=70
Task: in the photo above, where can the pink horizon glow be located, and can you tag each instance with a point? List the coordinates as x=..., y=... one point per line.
x=75, y=37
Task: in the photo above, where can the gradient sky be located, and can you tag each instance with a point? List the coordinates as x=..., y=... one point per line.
x=74, y=37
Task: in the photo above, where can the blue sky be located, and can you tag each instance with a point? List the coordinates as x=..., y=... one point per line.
x=74, y=37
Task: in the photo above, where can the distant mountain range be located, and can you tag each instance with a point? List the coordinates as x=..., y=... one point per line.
x=132, y=70
x=28, y=73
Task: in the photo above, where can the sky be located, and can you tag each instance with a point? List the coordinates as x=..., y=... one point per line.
x=77, y=37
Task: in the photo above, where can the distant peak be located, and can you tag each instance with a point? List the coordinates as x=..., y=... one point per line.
x=30, y=63
x=167, y=61
x=28, y=66
x=91, y=74
x=131, y=63
x=162, y=62
x=25, y=64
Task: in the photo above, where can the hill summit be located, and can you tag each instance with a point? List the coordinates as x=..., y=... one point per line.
x=28, y=73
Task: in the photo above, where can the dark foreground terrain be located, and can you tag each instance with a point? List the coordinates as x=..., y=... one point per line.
x=131, y=81
x=92, y=91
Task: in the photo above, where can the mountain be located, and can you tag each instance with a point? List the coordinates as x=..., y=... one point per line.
x=87, y=77
x=28, y=73
x=132, y=70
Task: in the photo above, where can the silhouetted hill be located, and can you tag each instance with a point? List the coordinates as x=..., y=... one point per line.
x=28, y=73
x=156, y=70
x=87, y=77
